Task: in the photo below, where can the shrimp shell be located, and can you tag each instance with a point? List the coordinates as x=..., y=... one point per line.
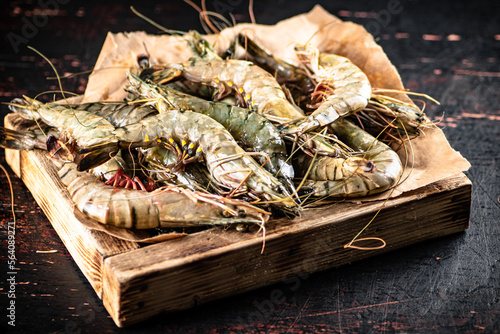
x=249, y=128
x=85, y=128
x=328, y=168
x=380, y=173
x=164, y=207
x=117, y=113
x=228, y=163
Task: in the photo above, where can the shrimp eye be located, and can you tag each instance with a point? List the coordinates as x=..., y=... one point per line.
x=242, y=213
x=143, y=61
x=370, y=167
x=303, y=192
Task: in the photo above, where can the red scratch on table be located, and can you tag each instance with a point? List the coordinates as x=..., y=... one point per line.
x=365, y=15
x=427, y=60
x=453, y=37
x=481, y=115
x=345, y=13
x=429, y=37
x=452, y=121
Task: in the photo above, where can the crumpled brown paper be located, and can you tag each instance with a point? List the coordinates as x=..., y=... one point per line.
x=432, y=159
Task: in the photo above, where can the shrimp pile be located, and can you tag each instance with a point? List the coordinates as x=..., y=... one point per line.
x=215, y=141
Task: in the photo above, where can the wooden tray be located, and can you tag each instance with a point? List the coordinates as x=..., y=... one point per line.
x=136, y=282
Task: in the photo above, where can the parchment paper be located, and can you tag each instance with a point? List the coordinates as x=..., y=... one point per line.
x=433, y=159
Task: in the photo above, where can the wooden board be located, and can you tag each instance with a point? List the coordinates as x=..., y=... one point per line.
x=136, y=282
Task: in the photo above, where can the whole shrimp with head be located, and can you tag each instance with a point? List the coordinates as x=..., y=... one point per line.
x=164, y=207
x=130, y=208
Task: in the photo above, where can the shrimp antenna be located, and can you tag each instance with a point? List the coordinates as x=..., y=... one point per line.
x=250, y=11
x=307, y=172
x=317, y=31
x=159, y=26
x=54, y=69
x=54, y=91
x=219, y=26
x=57, y=76
x=203, y=16
x=403, y=91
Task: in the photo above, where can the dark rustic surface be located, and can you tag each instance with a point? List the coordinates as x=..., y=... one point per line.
x=450, y=51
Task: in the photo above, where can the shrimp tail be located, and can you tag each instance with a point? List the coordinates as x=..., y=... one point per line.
x=19, y=140
x=93, y=159
x=59, y=149
x=95, y=155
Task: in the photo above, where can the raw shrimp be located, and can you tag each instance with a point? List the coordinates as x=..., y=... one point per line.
x=377, y=170
x=342, y=87
x=164, y=207
x=250, y=129
x=254, y=87
x=228, y=163
x=80, y=127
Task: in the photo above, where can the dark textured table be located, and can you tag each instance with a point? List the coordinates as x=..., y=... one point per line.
x=448, y=50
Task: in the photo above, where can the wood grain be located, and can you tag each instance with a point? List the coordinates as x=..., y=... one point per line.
x=215, y=263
